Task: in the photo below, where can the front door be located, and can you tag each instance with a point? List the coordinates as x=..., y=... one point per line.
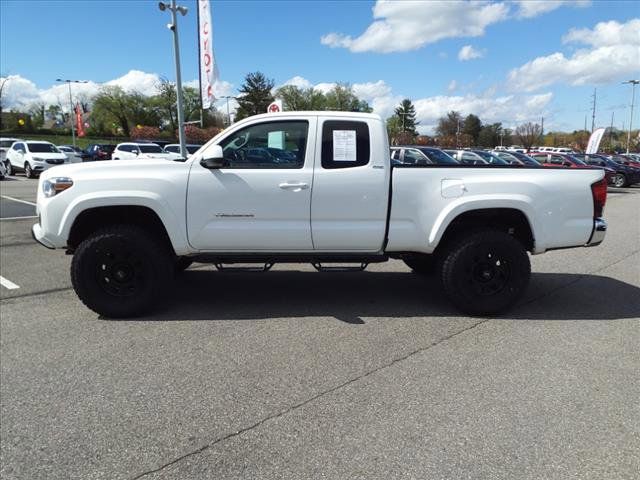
x=260, y=200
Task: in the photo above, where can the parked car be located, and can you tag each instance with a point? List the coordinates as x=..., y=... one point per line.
x=562, y=150
x=132, y=151
x=476, y=157
x=623, y=175
x=130, y=225
x=421, y=155
x=521, y=158
x=74, y=155
x=5, y=145
x=100, y=151
x=33, y=157
x=174, y=149
x=626, y=160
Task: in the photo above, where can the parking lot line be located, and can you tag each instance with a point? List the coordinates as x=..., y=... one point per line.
x=18, y=200
x=18, y=218
x=8, y=284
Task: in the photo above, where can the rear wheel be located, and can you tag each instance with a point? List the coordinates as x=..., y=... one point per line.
x=485, y=272
x=121, y=271
x=9, y=168
x=620, y=180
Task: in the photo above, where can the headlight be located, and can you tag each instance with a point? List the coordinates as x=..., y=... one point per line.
x=52, y=186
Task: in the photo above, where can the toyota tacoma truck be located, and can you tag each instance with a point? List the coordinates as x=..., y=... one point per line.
x=314, y=187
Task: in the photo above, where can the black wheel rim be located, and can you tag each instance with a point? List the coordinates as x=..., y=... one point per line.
x=120, y=272
x=488, y=273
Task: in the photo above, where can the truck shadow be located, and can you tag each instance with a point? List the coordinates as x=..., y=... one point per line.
x=351, y=297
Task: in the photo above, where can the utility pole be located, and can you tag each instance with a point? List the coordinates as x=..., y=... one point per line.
x=228, y=114
x=611, y=133
x=593, y=111
x=71, y=112
x=585, y=123
x=173, y=26
x=633, y=97
x=541, y=130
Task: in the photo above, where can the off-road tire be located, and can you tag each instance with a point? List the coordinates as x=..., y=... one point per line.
x=485, y=272
x=421, y=263
x=121, y=271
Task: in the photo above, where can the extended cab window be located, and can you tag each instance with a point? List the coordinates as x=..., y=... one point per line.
x=345, y=144
x=267, y=145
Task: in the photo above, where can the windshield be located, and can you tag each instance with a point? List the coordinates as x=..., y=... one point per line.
x=438, y=156
x=526, y=158
x=150, y=149
x=489, y=157
x=576, y=160
x=42, y=148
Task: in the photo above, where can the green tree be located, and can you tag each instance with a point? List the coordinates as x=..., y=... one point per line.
x=298, y=99
x=36, y=111
x=449, y=125
x=112, y=105
x=341, y=98
x=491, y=135
x=394, y=128
x=472, y=127
x=255, y=95
x=406, y=113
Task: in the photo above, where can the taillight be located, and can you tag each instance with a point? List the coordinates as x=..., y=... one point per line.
x=599, y=193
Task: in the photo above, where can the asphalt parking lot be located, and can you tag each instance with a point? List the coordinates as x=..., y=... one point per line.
x=298, y=374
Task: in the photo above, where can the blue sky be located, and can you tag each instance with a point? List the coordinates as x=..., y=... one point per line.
x=527, y=63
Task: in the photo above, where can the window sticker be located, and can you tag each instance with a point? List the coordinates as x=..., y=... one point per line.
x=344, y=146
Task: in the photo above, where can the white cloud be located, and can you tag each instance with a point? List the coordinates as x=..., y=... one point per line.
x=137, y=81
x=534, y=8
x=469, y=53
x=409, y=25
x=606, y=34
x=614, y=52
x=452, y=87
x=299, y=82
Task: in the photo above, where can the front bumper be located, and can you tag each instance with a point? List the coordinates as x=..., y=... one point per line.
x=598, y=233
x=36, y=233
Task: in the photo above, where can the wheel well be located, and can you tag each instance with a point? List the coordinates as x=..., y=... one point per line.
x=96, y=218
x=509, y=220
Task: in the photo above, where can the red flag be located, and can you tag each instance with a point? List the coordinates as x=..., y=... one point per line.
x=79, y=125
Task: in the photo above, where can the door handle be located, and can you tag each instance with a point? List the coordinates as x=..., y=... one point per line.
x=296, y=187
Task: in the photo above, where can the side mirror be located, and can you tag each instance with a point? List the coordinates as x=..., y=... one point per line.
x=214, y=159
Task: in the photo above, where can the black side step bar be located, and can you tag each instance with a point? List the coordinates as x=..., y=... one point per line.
x=265, y=268
x=340, y=268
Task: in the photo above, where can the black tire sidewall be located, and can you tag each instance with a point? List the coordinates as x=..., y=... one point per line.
x=154, y=262
x=455, y=272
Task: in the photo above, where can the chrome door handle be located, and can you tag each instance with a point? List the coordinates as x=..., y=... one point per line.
x=296, y=187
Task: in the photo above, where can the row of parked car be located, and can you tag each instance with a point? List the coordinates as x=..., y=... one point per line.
x=620, y=170
x=34, y=156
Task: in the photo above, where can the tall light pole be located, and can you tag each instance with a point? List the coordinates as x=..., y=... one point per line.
x=69, y=82
x=173, y=26
x=633, y=97
x=228, y=114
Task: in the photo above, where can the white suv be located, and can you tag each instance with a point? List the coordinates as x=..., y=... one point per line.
x=5, y=145
x=132, y=151
x=174, y=150
x=33, y=157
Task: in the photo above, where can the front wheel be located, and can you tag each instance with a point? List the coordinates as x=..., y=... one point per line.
x=28, y=171
x=486, y=272
x=121, y=271
x=9, y=168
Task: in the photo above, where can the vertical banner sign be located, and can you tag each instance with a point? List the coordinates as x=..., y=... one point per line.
x=594, y=141
x=79, y=124
x=208, y=68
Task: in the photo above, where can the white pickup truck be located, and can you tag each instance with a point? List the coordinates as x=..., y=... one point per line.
x=313, y=187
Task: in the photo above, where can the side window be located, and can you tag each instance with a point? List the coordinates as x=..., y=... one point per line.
x=395, y=154
x=127, y=148
x=469, y=157
x=414, y=157
x=345, y=144
x=267, y=145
